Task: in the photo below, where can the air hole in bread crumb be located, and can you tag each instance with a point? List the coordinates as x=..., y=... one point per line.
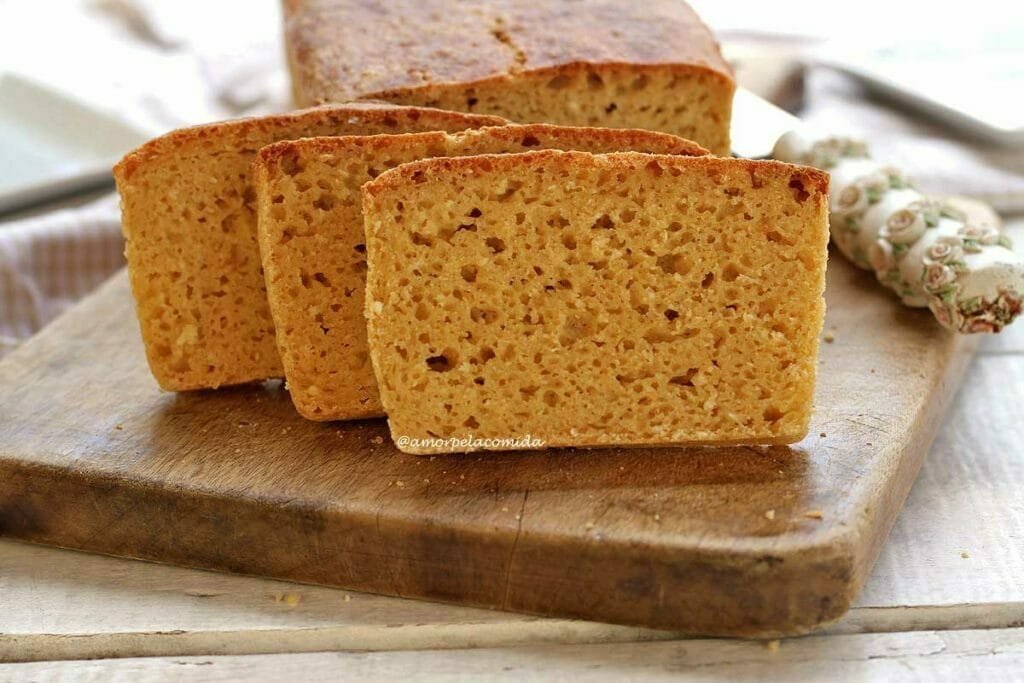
x=560, y=82
x=569, y=241
x=772, y=414
x=674, y=263
x=684, y=380
x=469, y=273
x=551, y=398
x=658, y=337
x=495, y=244
x=471, y=422
x=671, y=314
x=322, y=279
x=483, y=315
x=422, y=240
x=604, y=222
x=709, y=279
x=290, y=164
x=530, y=141
x=730, y=273
x=444, y=362
x=422, y=311
x=325, y=202
x=486, y=354
x=576, y=327
x=796, y=184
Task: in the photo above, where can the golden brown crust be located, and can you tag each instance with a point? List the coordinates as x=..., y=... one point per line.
x=256, y=130
x=335, y=51
x=627, y=138
x=814, y=181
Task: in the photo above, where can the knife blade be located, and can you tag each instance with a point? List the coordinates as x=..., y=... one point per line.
x=757, y=124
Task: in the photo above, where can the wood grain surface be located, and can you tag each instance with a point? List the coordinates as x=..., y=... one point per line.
x=920, y=656
x=727, y=541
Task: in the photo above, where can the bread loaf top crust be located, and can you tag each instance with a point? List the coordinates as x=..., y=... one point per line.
x=338, y=50
x=260, y=130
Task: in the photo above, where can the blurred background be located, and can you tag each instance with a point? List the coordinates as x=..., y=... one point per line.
x=939, y=92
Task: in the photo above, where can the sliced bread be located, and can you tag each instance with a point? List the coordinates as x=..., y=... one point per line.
x=188, y=213
x=310, y=227
x=618, y=299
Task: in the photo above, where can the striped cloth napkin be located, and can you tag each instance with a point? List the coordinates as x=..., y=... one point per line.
x=51, y=261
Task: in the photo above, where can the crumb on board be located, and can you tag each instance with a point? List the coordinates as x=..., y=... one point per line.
x=377, y=440
x=772, y=645
x=823, y=435
x=400, y=483
x=830, y=336
x=118, y=427
x=590, y=525
x=964, y=554
x=814, y=514
x=657, y=517
x=348, y=598
x=769, y=514
x=290, y=599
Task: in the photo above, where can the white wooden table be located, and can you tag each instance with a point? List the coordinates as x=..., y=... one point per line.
x=946, y=598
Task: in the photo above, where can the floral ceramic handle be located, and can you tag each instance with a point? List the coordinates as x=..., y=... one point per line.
x=925, y=250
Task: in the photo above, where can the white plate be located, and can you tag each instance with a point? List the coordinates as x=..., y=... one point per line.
x=51, y=145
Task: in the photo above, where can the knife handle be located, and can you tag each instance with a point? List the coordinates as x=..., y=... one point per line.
x=930, y=253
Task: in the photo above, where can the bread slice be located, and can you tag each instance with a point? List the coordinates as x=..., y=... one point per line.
x=618, y=299
x=188, y=214
x=650, y=64
x=313, y=247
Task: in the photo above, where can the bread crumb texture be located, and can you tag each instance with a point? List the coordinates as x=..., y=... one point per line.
x=650, y=64
x=188, y=215
x=310, y=225
x=590, y=300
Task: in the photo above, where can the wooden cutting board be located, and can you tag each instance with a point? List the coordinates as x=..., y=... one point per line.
x=726, y=541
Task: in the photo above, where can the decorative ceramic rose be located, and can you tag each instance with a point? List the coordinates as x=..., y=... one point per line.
x=850, y=200
x=881, y=258
x=827, y=153
x=941, y=252
x=903, y=227
x=976, y=325
x=937, y=276
x=941, y=313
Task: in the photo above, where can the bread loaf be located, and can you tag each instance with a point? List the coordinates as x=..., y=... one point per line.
x=616, y=299
x=188, y=215
x=649, y=64
x=313, y=247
